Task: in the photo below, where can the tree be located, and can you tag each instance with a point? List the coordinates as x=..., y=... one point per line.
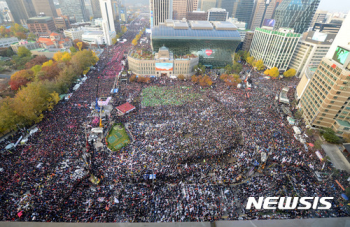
x=82, y=60
x=72, y=49
x=80, y=45
x=250, y=60
x=195, y=79
x=20, y=35
x=143, y=79
x=31, y=101
x=289, y=73
x=259, y=65
x=91, y=18
x=223, y=76
x=38, y=60
x=205, y=81
x=199, y=69
x=330, y=136
x=228, y=68
x=21, y=78
x=8, y=116
x=9, y=52
x=76, y=41
x=36, y=69
x=237, y=57
x=48, y=63
x=134, y=42
x=273, y=72
x=132, y=78
x=31, y=37
x=237, y=67
x=24, y=52
x=51, y=71
x=246, y=55
x=114, y=40
x=180, y=77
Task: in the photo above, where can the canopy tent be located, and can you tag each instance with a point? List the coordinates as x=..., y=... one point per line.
x=291, y=120
x=125, y=108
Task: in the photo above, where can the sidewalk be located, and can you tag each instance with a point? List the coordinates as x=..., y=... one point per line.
x=336, y=156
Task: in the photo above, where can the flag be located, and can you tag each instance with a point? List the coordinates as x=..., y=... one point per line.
x=116, y=200
x=20, y=213
x=334, y=66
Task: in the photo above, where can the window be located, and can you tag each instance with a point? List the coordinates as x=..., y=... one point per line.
x=329, y=106
x=335, y=97
x=338, y=92
x=332, y=101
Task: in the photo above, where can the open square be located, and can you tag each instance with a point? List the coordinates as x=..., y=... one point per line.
x=117, y=137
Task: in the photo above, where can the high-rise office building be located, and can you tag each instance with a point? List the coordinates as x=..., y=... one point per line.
x=263, y=10
x=326, y=28
x=96, y=10
x=45, y=6
x=295, y=14
x=243, y=10
x=226, y=4
x=74, y=8
x=107, y=20
x=311, y=48
x=179, y=9
x=247, y=42
x=160, y=10
x=217, y=14
x=21, y=10
x=207, y=4
x=275, y=48
x=325, y=98
x=319, y=17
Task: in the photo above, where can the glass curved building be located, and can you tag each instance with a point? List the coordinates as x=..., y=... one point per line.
x=213, y=42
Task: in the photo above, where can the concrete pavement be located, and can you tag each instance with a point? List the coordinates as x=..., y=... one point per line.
x=337, y=158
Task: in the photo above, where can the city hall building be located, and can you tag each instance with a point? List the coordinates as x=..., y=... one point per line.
x=163, y=63
x=214, y=42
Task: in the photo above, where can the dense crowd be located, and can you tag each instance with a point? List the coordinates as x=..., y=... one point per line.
x=195, y=162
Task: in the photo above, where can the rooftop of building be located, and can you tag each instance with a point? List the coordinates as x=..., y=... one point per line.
x=39, y=19
x=343, y=123
x=289, y=32
x=216, y=10
x=93, y=33
x=49, y=50
x=319, y=38
x=195, y=29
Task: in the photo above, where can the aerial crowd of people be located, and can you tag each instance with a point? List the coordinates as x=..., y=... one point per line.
x=199, y=161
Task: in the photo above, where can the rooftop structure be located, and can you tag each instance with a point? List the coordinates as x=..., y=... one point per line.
x=213, y=42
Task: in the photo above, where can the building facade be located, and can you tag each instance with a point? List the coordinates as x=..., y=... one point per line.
x=319, y=17
x=326, y=28
x=108, y=26
x=160, y=11
x=30, y=45
x=197, y=15
x=179, y=9
x=64, y=22
x=96, y=9
x=74, y=8
x=325, y=101
x=217, y=14
x=295, y=14
x=310, y=50
x=6, y=42
x=41, y=26
x=263, y=10
x=207, y=4
x=248, y=40
x=274, y=47
x=227, y=5
x=163, y=63
x=21, y=10
x=213, y=42
x=45, y=6
x=243, y=11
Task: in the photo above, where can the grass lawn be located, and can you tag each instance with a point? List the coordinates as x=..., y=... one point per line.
x=159, y=96
x=117, y=137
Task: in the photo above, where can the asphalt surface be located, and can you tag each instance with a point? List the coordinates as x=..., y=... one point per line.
x=337, y=158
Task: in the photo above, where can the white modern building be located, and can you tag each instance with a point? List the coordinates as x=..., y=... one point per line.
x=6, y=42
x=76, y=33
x=160, y=10
x=108, y=20
x=310, y=50
x=274, y=47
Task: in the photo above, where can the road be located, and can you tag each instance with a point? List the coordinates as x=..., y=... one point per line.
x=337, y=158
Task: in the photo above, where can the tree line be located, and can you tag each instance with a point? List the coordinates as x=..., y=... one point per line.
x=39, y=85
